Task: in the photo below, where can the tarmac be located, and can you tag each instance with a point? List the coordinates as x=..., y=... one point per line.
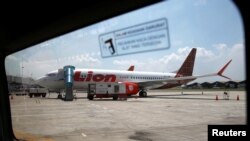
x=163, y=115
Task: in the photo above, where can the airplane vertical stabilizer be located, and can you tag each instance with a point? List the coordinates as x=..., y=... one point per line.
x=187, y=67
x=131, y=68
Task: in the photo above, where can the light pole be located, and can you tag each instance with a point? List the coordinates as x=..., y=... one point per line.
x=22, y=75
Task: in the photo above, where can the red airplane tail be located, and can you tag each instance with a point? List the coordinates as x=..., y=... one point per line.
x=187, y=67
x=131, y=68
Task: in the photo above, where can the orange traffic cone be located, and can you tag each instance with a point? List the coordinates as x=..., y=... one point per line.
x=238, y=97
x=216, y=98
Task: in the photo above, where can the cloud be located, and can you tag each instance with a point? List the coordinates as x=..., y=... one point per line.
x=184, y=50
x=203, y=52
x=220, y=47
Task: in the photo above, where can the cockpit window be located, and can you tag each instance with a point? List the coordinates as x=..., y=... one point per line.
x=137, y=59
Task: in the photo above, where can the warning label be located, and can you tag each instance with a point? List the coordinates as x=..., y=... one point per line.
x=139, y=38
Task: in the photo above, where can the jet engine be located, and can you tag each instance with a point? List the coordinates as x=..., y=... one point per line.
x=131, y=88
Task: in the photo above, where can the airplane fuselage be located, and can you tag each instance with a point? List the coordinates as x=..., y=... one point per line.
x=83, y=77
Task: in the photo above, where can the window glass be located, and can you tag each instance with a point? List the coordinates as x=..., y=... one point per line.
x=157, y=40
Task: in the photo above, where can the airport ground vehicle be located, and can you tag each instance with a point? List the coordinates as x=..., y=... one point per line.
x=105, y=90
x=37, y=92
x=20, y=91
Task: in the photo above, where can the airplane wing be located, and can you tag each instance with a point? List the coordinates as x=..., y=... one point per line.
x=181, y=79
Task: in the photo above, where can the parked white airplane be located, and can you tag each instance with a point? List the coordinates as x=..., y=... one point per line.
x=140, y=81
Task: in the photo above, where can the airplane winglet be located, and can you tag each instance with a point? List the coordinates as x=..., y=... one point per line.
x=223, y=69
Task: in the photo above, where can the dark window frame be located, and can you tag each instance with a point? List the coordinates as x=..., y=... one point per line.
x=21, y=36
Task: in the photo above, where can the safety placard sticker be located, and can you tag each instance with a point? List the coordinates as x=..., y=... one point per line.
x=148, y=36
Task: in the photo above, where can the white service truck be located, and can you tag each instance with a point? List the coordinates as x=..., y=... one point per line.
x=115, y=90
x=37, y=92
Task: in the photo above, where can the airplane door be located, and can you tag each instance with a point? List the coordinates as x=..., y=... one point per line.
x=91, y=89
x=116, y=89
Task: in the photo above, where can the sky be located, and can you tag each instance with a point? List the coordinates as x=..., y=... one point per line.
x=213, y=27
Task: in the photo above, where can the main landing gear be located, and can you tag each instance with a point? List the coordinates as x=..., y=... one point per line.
x=143, y=93
x=59, y=96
